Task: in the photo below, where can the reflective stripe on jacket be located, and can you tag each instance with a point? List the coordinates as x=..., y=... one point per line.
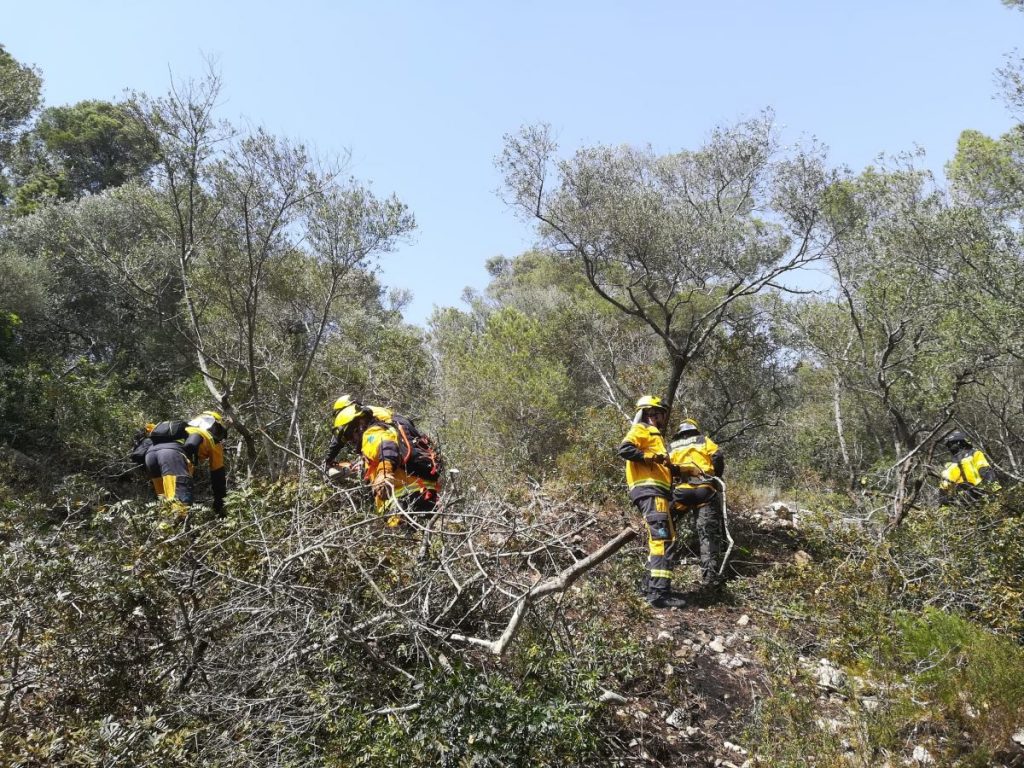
x=643, y=475
x=693, y=457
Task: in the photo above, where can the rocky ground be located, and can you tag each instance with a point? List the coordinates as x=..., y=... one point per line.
x=711, y=646
x=716, y=656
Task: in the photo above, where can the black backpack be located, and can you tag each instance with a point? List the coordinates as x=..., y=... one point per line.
x=169, y=432
x=140, y=447
x=419, y=455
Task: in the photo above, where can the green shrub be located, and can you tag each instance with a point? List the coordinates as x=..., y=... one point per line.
x=972, y=678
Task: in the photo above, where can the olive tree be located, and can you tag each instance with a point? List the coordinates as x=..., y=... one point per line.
x=903, y=335
x=675, y=240
x=266, y=242
x=237, y=266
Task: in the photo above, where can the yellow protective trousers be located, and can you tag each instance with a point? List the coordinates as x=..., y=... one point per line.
x=661, y=535
x=170, y=472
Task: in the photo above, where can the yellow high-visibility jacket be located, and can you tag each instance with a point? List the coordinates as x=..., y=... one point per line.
x=201, y=444
x=694, y=458
x=382, y=415
x=970, y=468
x=380, y=443
x=208, y=450
x=645, y=478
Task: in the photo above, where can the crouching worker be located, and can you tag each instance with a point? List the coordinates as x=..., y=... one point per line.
x=174, y=449
x=404, y=474
x=349, y=469
x=695, y=460
x=968, y=477
x=649, y=483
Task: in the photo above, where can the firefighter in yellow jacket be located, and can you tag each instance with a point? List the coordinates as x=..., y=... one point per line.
x=394, y=486
x=171, y=458
x=649, y=483
x=968, y=477
x=696, y=459
x=348, y=468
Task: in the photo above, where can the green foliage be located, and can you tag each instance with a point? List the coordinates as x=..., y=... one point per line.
x=20, y=90
x=78, y=150
x=917, y=321
x=925, y=622
x=140, y=639
x=165, y=259
x=967, y=559
x=21, y=85
x=547, y=717
x=957, y=663
x=507, y=389
x=267, y=294
x=9, y=322
x=988, y=170
x=674, y=240
x=785, y=731
x=80, y=418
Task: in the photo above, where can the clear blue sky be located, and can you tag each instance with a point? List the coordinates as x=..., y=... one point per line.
x=422, y=92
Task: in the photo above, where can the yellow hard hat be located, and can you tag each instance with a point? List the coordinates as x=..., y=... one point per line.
x=344, y=402
x=649, y=401
x=346, y=416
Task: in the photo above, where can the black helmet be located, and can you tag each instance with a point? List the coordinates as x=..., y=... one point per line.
x=956, y=439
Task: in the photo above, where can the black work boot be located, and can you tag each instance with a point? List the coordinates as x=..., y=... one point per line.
x=664, y=599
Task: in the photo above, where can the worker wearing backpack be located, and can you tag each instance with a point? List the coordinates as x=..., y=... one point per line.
x=394, y=463
x=419, y=455
x=383, y=415
x=175, y=447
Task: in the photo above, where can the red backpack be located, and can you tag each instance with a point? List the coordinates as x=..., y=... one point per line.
x=419, y=455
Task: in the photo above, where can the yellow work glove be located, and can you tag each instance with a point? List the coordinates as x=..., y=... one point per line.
x=383, y=481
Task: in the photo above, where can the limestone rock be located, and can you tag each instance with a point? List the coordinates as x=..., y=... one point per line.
x=829, y=676
x=678, y=720
x=610, y=696
x=921, y=756
x=870, y=703
x=734, y=748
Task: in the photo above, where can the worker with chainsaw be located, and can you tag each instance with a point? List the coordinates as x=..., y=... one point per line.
x=696, y=461
x=403, y=469
x=649, y=483
x=171, y=450
x=967, y=477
